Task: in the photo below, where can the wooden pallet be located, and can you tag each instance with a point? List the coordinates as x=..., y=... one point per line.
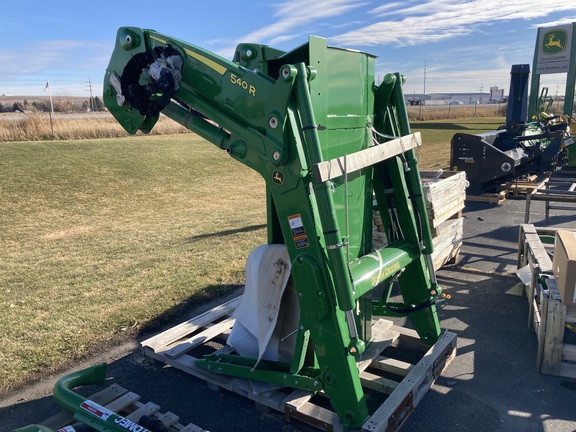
x=448, y=242
x=547, y=315
x=495, y=198
x=520, y=187
x=127, y=404
x=445, y=193
x=397, y=367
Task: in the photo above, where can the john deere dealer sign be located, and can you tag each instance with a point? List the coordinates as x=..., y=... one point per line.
x=554, y=49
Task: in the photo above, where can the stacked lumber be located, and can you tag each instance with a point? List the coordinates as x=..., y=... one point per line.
x=445, y=193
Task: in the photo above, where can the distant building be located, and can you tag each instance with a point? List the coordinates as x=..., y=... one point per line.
x=453, y=98
x=496, y=95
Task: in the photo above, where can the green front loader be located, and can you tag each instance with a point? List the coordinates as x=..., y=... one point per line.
x=332, y=146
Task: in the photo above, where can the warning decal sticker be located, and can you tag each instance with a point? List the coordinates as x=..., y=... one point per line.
x=298, y=231
x=96, y=410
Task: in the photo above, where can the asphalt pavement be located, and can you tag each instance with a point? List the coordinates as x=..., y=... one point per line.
x=492, y=384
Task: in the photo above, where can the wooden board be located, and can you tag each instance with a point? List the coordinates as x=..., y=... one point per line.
x=495, y=198
x=334, y=168
x=384, y=371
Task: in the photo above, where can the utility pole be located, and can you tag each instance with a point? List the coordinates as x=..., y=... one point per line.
x=423, y=97
x=91, y=99
x=424, y=78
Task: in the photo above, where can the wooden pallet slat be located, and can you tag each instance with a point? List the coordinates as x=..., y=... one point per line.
x=122, y=402
x=410, y=391
x=210, y=333
x=494, y=198
x=175, y=333
x=394, y=366
x=378, y=383
x=147, y=409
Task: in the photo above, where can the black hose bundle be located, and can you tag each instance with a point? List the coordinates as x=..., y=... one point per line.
x=148, y=99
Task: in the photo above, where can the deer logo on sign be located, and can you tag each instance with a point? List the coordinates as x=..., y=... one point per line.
x=556, y=41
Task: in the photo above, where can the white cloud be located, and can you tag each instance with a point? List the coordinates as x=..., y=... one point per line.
x=436, y=20
x=566, y=20
x=292, y=15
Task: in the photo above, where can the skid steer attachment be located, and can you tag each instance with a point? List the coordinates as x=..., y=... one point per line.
x=332, y=147
x=518, y=148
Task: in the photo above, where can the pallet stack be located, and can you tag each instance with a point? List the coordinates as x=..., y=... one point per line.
x=549, y=317
x=445, y=193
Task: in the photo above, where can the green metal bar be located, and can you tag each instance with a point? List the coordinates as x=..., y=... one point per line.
x=331, y=231
x=68, y=399
x=266, y=371
x=377, y=267
x=571, y=77
x=534, y=82
x=197, y=124
x=413, y=174
x=382, y=96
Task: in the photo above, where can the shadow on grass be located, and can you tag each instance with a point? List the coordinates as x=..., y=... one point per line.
x=224, y=233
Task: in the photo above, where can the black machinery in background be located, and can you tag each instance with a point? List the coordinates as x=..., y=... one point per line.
x=517, y=148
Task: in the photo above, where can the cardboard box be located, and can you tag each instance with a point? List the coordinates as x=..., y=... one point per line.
x=564, y=265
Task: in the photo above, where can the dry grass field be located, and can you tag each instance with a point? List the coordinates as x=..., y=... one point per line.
x=39, y=127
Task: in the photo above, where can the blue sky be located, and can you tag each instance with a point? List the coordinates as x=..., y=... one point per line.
x=466, y=44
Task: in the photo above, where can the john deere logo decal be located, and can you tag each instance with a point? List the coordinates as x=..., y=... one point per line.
x=278, y=177
x=554, y=41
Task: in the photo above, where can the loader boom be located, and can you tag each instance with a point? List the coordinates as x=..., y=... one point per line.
x=332, y=146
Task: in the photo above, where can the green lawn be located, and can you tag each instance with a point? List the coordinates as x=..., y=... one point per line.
x=102, y=236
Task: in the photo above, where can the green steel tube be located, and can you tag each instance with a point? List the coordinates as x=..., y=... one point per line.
x=382, y=96
x=374, y=268
x=68, y=399
x=413, y=175
x=336, y=253
x=86, y=411
x=196, y=124
x=64, y=395
x=534, y=83
x=571, y=77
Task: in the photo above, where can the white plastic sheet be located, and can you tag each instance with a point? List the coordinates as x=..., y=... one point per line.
x=266, y=324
